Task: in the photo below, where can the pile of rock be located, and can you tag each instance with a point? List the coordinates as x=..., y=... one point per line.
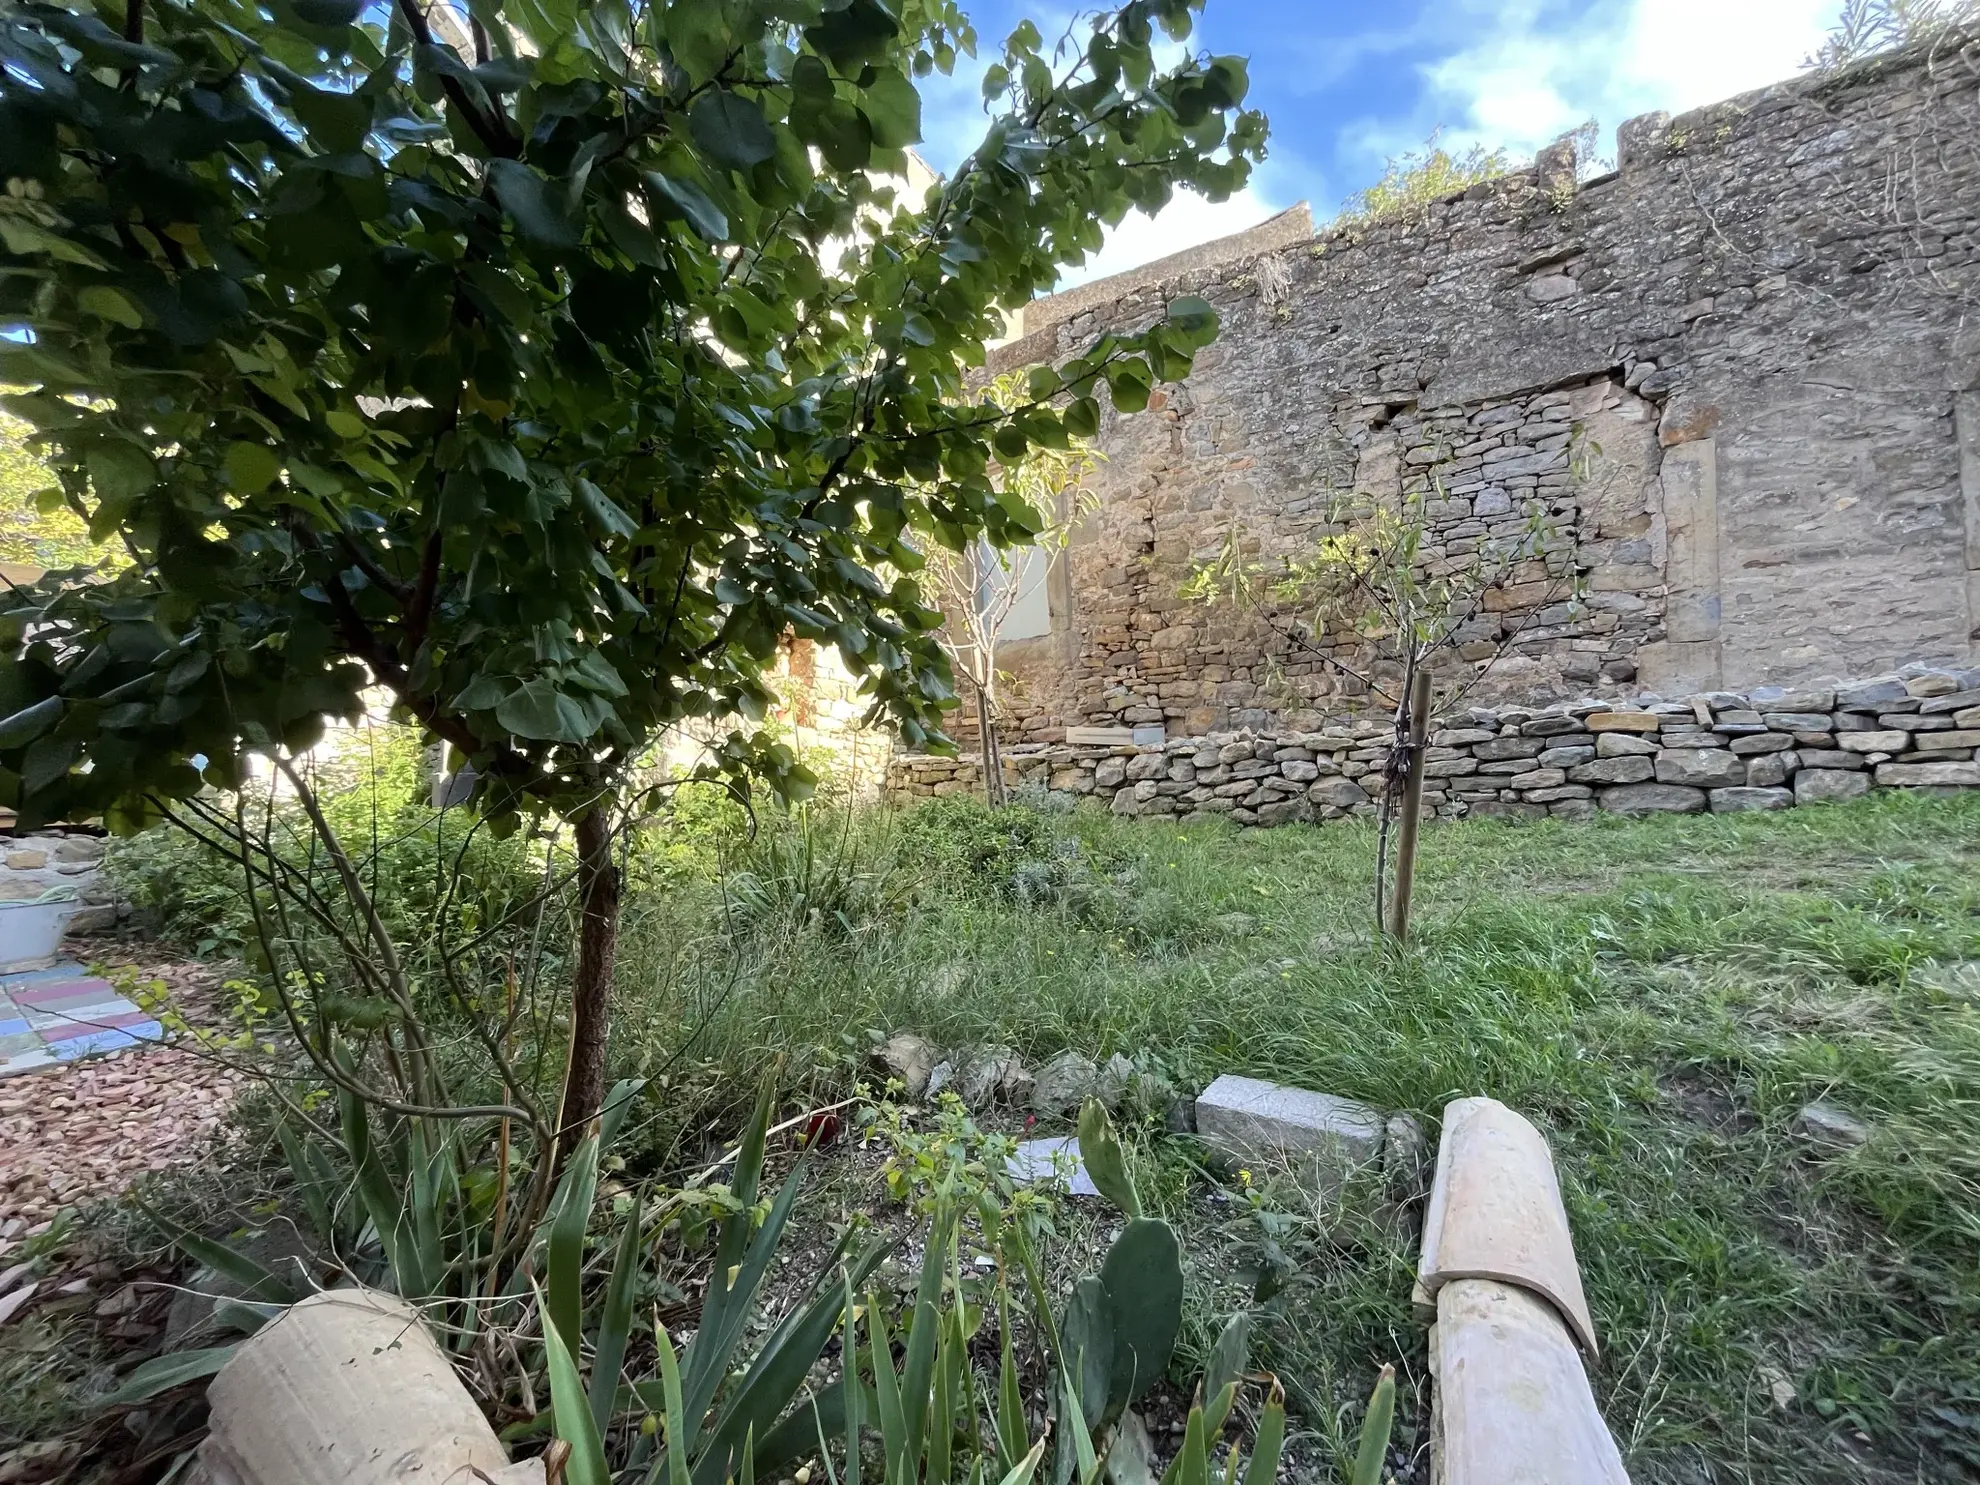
x=986, y=1076
x=1763, y=749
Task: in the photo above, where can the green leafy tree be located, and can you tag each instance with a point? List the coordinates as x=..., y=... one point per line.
x=544, y=381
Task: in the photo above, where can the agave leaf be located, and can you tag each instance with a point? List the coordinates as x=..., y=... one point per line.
x=162, y=1373
x=775, y=1377
x=1020, y=1473
x=1217, y=1409
x=674, y=1416
x=257, y=1280
x=615, y=1323
x=564, y=1268
x=886, y=1387
x=1011, y=1428
x=1375, y=1430
x=383, y=1202
x=315, y=1195
x=618, y=1103
x=918, y=1365
x=1267, y=1442
x=854, y=1404
x=942, y=1405
x=571, y=1413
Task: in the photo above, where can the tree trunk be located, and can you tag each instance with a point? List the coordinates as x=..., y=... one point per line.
x=990, y=759
x=1412, y=805
x=591, y=993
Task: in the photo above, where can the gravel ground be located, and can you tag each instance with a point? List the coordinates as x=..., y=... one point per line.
x=89, y=1129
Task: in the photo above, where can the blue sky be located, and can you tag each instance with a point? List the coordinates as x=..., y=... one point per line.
x=1349, y=83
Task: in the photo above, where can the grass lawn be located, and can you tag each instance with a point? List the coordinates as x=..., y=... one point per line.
x=1661, y=996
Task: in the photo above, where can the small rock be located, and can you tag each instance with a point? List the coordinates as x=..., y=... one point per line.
x=908, y=1057
x=993, y=1074
x=940, y=1076
x=1828, y=1125
x=1061, y=1085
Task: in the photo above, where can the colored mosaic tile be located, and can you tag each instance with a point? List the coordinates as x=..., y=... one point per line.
x=57, y=1015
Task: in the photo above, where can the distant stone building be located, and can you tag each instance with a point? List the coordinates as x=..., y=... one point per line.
x=1742, y=371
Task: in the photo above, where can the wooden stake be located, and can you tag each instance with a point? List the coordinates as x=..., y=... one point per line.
x=1412, y=806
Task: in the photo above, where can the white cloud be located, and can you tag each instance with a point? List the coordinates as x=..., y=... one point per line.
x=1538, y=70
x=1184, y=223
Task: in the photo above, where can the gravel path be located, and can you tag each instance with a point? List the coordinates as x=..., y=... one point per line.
x=90, y=1128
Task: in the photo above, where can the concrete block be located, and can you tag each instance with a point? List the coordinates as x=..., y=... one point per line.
x=1243, y=1119
x=1495, y=1212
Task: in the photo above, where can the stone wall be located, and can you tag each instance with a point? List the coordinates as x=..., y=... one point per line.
x=31, y=864
x=1767, y=748
x=1739, y=376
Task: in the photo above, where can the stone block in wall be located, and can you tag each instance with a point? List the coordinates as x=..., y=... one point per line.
x=1646, y=799
x=1829, y=785
x=1760, y=742
x=1887, y=741
x=1625, y=770
x=1540, y=778
x=1702, y=768
x=1623, y=745
x=1566, y=757
x=1831, y=758
x=1799, y=721
x=1507, y=747
x=1914, y=722
x=1771, y=770
x=1339, y=793
x=1928, y=775
x=1736, y=800
x=1957, y=702
x=1959, y=738
x=1869, y=695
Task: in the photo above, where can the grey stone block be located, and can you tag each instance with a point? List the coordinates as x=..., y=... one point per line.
x=1702, y=768
x=1648, y=799
x=1735, y=800
x=1244, y=1119
x=1829, y=785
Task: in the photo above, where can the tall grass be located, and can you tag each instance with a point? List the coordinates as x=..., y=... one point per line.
x=1661, y=995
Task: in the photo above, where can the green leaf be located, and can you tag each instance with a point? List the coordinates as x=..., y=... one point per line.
x=893, y=109
x=30, y=722
x=1195, y=318
x=854, y=33
x=329, y=12
x=251, y=467
x=537, y=709
x=571, y=1413
x=162, y=1373
x=683, y=199
x=1129, y=384
x=1082, y=417
x=120, y=471
x=730, y=130
x=112, y=304
x=536, y=205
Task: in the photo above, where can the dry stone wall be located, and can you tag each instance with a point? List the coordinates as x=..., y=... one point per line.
x=1739, y=375
x=1767, y=748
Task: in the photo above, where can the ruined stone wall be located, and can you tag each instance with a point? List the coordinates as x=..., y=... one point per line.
x=1769, y=748
x=1739, y=376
